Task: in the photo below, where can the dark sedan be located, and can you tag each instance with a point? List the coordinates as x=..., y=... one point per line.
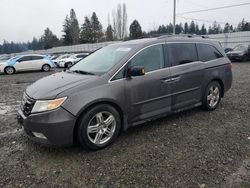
x=239, y=53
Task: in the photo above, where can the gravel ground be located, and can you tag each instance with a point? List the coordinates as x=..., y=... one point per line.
x=190, y=149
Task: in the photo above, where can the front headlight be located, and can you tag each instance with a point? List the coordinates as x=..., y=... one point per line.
x=46, y=105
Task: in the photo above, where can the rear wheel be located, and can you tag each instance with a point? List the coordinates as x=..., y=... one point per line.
x=98, y=127
x=9, y=70
x=212, y=96
x=46, y=68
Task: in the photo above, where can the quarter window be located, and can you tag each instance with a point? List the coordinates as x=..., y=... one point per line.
x=120, y=75
x=182, y=53
x=150, y=58
x=208, y=52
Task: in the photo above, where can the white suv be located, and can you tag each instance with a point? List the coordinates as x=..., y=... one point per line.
x=26, y=63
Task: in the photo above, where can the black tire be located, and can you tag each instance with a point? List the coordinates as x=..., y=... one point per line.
x=46, y=68
x=9, y=70
x=68, y=65
x=87, y=118
x=206, y=103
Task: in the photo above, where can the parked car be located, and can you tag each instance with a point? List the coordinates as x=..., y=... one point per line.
x=239, y=53
x=228, y=50
x=71, y=60
x=27, y=63
x=56, y=60
x=123, y=85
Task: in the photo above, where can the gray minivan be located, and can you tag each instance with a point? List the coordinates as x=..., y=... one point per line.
x=123, y=85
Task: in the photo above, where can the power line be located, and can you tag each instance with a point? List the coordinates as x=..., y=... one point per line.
x=202, y=20
x=216, y=8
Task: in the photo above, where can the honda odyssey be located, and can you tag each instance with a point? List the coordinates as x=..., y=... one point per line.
x=123, y=85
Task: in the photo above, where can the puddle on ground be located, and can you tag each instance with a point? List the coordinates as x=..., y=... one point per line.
x=9, y=109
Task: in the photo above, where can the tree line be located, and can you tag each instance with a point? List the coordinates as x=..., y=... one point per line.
x=92, y=31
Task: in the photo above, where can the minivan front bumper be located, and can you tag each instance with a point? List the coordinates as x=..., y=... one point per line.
x=55, y=128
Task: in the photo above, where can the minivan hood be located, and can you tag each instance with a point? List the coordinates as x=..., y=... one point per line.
x=51, y=86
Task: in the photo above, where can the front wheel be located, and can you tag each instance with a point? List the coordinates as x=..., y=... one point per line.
x=212, y=96
x=98, y=127
x=9, y=70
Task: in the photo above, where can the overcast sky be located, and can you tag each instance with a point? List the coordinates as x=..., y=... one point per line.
x=20, y=20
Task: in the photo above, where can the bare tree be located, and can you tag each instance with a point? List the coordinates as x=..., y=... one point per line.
x=114, y=24
x=124, y=21
x=120, y=22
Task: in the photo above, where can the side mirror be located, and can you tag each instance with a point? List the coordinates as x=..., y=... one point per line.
x=135, y=71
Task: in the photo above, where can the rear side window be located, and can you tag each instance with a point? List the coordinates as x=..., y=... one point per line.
x=182, y=53
x=208, y=52
x=150, y=58
x=37, y=57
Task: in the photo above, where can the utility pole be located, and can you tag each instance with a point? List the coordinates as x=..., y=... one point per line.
x=174, y=16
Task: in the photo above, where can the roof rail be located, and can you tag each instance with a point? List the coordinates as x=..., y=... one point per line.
x=181, y=35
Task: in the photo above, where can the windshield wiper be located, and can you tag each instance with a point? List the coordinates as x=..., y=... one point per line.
x=82, y=72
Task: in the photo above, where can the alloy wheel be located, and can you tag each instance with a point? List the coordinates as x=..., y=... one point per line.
x=9, y=70
x=213, y=96
x=101, y=128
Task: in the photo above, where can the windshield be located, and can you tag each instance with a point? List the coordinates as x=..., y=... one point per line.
x=240, y=48
x=102, y=60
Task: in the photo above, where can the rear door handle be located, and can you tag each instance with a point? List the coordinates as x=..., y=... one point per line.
x=175, y=79
x=164, y=81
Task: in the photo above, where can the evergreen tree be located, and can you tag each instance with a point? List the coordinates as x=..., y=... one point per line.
x=49, y=39
x=178, y=28
x=162, y=29
x=96, y=26
x=66, y=30
x=192, y=28
x=197, y=30
x=74, y=27
x=231, y=28
x=186, y=28
x=226, y=28
x=210, y=31
x=71, y=29
x=170, y=28
x=203, y=30
x=135, y=30
x=109, y=33
x=86, y=31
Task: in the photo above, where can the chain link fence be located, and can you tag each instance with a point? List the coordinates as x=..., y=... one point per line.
x=230, y=40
